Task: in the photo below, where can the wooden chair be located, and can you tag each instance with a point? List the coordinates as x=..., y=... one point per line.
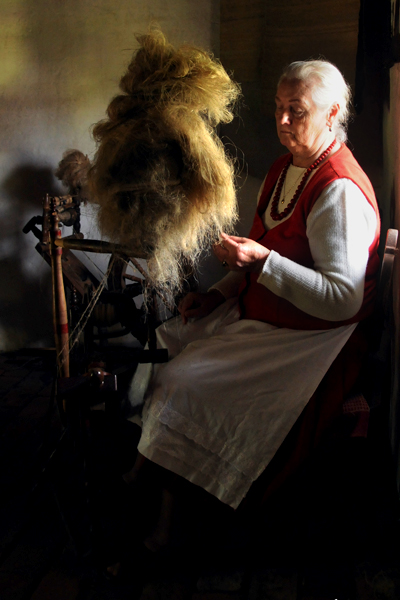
x=377, y=365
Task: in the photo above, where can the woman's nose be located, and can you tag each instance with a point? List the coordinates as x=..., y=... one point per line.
x=284, y=118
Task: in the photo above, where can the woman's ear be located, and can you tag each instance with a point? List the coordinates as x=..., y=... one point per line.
x=333, y=111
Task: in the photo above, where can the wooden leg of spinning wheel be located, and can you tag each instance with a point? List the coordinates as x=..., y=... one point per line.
x=60, y=314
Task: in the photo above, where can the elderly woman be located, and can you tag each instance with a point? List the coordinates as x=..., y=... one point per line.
x=247, y=356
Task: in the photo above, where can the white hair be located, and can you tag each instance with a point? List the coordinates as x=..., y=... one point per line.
x=329, y=87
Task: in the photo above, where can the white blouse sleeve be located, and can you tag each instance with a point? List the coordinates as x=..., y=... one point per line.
x=340, y=229
x=229, y=285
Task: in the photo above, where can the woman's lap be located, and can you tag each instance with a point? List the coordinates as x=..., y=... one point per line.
x=219, y=410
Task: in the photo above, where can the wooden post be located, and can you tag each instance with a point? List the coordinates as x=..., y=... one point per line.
x=60, y=314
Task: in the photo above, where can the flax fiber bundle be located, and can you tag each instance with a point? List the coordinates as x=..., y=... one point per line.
x=163, y=182
x=73, y=172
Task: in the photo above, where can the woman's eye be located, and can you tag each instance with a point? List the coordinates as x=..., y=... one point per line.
x=297, y=112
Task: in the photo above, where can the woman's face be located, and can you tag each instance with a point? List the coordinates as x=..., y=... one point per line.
x=301, y=126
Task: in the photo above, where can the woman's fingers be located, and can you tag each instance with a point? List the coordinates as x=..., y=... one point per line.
x=239, y=253
x=192, y=313
x=220, y=253
x=185, y=305
x=197, y=304
x=234, y=239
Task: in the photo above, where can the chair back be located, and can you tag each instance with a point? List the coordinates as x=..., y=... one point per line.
x=378, y=365
x=383, y=306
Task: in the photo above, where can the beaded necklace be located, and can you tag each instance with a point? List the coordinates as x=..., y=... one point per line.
x=275, y=215
x=292, y=187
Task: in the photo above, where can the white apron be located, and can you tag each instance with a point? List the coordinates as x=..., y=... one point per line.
x=219, y=410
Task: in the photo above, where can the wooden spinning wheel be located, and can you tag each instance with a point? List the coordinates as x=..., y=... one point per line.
x=110, y=301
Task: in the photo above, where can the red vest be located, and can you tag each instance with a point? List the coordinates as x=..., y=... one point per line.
x=289, y=239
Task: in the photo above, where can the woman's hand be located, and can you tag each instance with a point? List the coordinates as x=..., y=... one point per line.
x=198, y=305
x=241, y=254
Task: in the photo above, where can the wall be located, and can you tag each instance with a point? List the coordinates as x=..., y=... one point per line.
x=61, y=62
x=259, y=38
x=391, y=150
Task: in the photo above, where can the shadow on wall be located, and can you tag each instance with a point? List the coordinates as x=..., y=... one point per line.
x=61, y=63
x=25, y=293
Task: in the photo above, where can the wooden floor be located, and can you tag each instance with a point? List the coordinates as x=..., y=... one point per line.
x=342, y=542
